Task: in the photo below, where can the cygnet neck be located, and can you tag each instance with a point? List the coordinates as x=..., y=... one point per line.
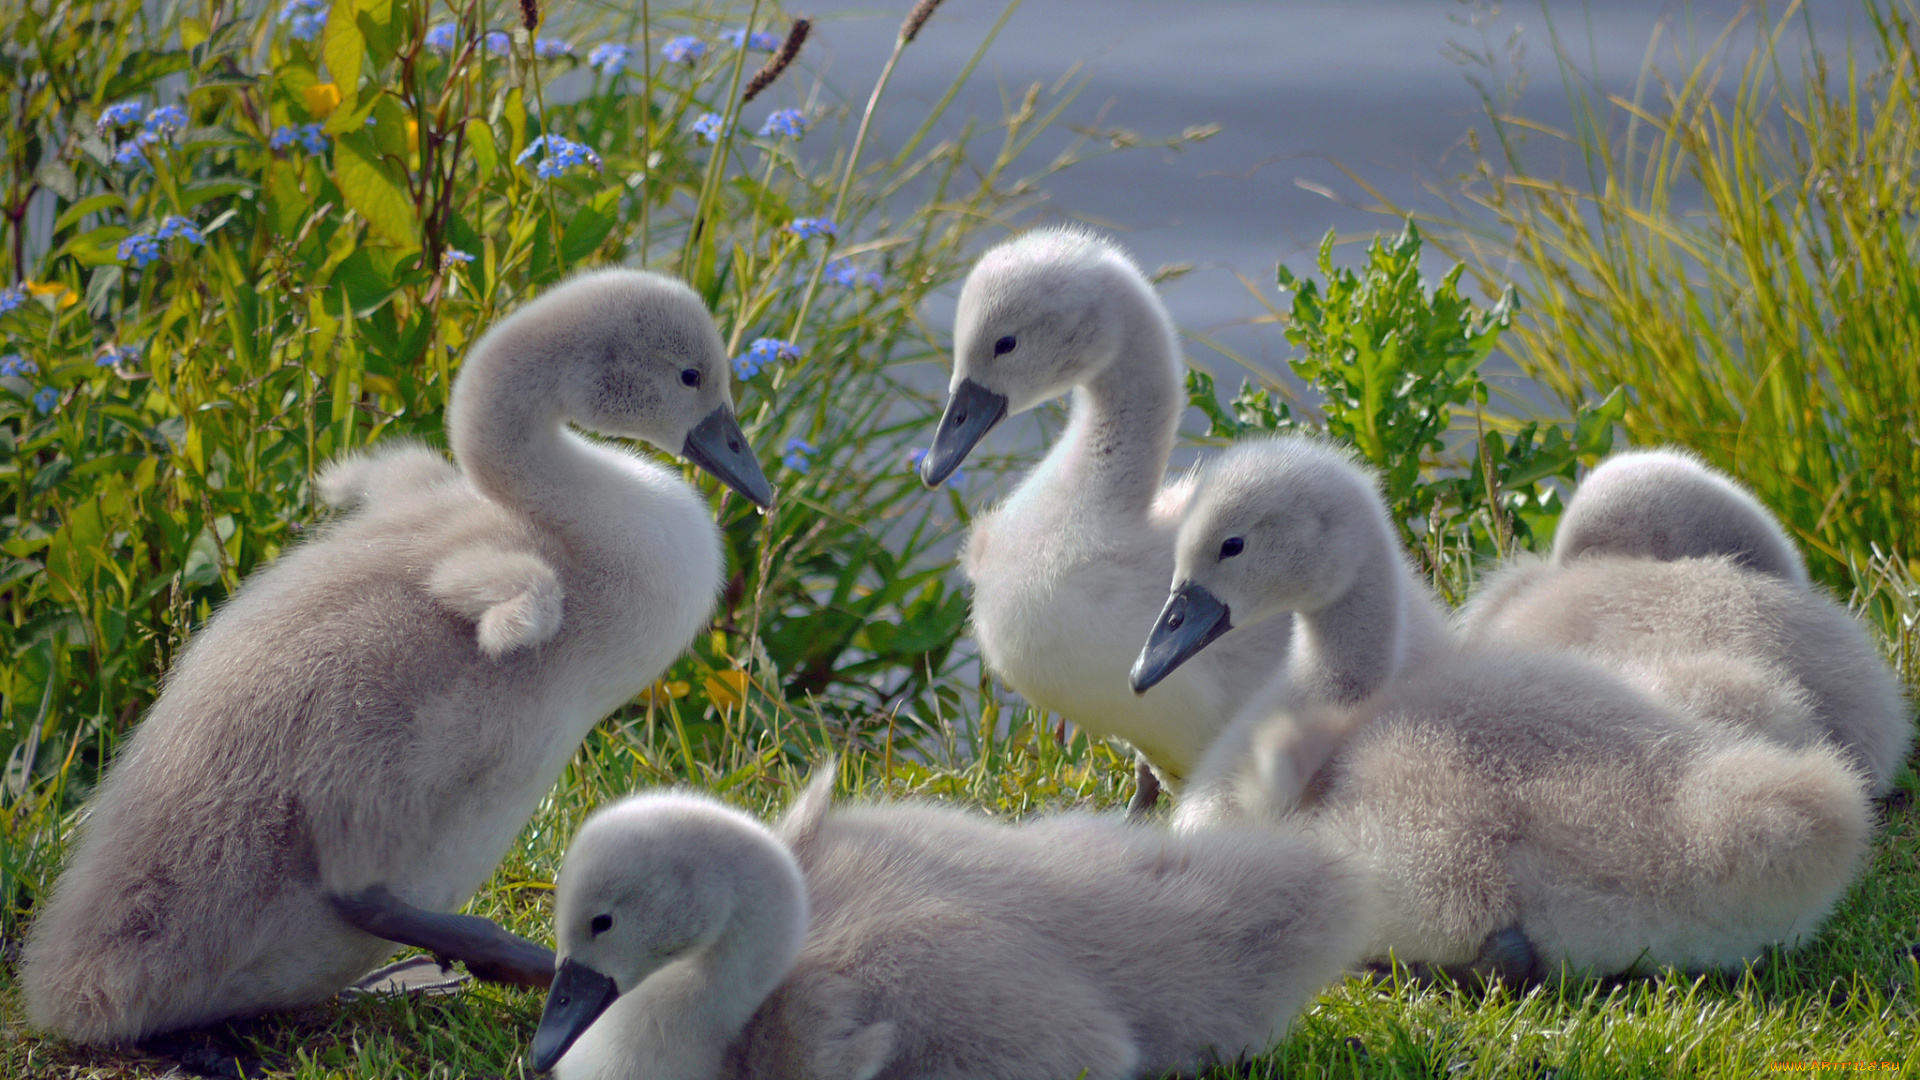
x=1115, y=449
x=1345, y=651
x=508, y=429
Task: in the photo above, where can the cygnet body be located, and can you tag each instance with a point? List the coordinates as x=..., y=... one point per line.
x=1065, y=572
x=1520, y=810
x=1668, y=572
x=357, y=736
x=903, y=941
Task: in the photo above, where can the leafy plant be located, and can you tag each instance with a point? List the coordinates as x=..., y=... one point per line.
x=266, y=240
x=1391, y=360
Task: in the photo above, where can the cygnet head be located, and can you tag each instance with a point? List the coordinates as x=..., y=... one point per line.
x=1038, y=315
x=1668, y=504
x=622, y=352
x=656, y=878
x=1274, y=525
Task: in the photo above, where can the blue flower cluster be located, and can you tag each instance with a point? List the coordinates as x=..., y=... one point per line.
x=805, y=227
x=304, y=19
x=790, y=122
x=143, y=248
x=165, y=120
x=684, y=50
x=15, y=364
x=547, y=48
x=454, y=257
x=12, y=298
x=799, y=451
x=498, y=43
x=160, y=124
x=45, y=399
x=609, y=58
x=558, y=154
x=958, y=476
x=844, y=274
x=441, y=37
x=760, y=40
x=118, y=116
x=762, y=352
x=310, y=136
x=708, y=126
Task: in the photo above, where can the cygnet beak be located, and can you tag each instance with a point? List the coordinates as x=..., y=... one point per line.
x=579, y=995
x=971, y=412
x=1191, y=620
x=717, y=445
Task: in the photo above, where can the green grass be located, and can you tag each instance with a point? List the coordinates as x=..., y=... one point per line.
x=134, y=505
x=1849, y=995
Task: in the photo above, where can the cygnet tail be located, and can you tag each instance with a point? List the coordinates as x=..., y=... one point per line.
x=800, y=826
x=1775, y=837
x=396, y=468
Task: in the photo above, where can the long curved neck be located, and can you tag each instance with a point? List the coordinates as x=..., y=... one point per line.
x=1345, y=651
x=508, y=432
x=1115, y=449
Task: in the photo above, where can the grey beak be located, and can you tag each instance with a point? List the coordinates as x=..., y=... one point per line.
x=971, y=412
x=578, y=997
x=717, y=445
x=1191, y=620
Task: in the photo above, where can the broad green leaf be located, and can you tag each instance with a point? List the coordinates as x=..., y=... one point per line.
x=370, y=187
x=343, y=47
x=486, y=157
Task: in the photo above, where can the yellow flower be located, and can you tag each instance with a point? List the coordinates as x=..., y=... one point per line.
x=727, y=689
x=64, y=297
x=413, y=135
x=322, y=99
x=662, y=690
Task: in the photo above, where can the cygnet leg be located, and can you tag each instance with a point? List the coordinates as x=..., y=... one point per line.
x=1146, y=791
x=489, y=952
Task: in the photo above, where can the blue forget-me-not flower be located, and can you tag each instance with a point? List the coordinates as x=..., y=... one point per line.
x=760, y=40
x=844, y=274
x=120, y=115
x=805, y=227
x=304, y=19
x=15, y=364
x=791, y=122
x=762, y=352
x=558, y=154
x=498, y=43
x=441, y=37
x=684, y=49
x=547, y=48
x=310, y=136
x=708, y=126
x=45, y=399
x=799, y=451
x=609, y=58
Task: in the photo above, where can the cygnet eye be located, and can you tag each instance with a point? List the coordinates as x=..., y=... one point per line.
x=691, y=376
x=1004, y=345
x=602, y=923
x=1232, y=546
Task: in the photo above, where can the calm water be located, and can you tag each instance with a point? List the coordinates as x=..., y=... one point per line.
x=1296, y=87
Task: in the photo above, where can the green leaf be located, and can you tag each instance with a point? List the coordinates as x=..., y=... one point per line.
x=584, y=234
x=92, y=204
x=342, y=46
x=371, y=188
x=486, y=157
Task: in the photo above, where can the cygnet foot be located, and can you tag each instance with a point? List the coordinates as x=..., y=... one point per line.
x=488, y=952
x=1146, y=792
x=425, y=976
